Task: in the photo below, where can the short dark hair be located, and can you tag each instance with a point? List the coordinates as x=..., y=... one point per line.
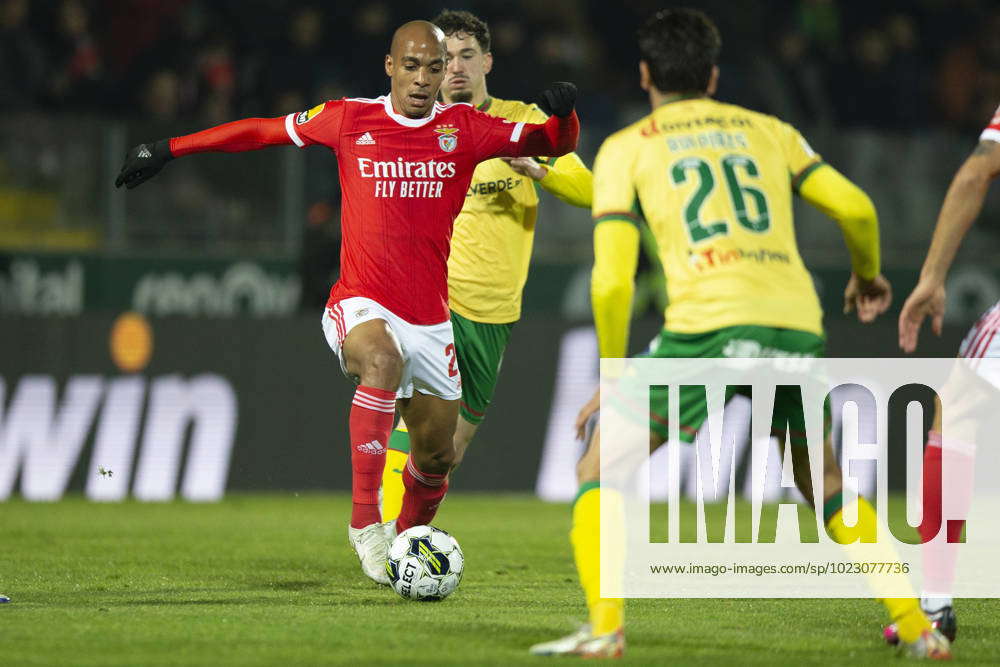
x=451, y=21
x=680, y=46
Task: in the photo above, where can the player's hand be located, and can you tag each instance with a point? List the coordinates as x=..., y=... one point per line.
x=589, y=408
x=526, y=166
x=143, y=162
x=926, y=300
x=559, y=99
x=870, y=298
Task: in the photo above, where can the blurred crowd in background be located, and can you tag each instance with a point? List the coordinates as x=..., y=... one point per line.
x=883, y=64
x=892, y=92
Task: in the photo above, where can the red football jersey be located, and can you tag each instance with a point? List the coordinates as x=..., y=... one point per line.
x=992, y=131
x=403, y=182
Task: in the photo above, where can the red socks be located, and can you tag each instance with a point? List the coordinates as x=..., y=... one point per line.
x=940, y=556
x=370, y=424
x=424, y=492
x=930, y=523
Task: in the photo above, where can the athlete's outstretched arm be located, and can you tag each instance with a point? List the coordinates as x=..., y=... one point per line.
x=567, y=177
x=145, y=160
x=828, y=190
x=556, y=136
x=959, y=211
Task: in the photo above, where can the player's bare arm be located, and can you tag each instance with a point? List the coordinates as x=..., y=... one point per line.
x=527, y=166
x=959, y=211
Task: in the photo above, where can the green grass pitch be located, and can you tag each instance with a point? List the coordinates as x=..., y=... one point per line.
x=270, y=580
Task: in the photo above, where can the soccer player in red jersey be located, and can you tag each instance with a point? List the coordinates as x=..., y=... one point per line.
x=959, y=211
x=405, y=165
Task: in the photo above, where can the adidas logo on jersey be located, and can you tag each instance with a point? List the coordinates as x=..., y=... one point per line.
x=365, y=139
x=373, y=447
x=144, y=152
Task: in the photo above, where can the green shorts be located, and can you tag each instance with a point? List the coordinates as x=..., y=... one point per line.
x=479, y=347
x=739, y=341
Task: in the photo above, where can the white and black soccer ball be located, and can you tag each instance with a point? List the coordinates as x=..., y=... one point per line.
x=425, y=563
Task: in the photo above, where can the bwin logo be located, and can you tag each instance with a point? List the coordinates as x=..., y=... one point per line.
x=139, y=426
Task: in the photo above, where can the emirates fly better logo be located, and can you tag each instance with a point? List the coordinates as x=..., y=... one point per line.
x=427, y=177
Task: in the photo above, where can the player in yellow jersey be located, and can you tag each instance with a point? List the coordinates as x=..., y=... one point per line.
x=714, y=182
x=491, y=243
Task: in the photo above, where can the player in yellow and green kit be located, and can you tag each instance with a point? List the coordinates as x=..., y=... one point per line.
x=491, y=243
x=714, y=182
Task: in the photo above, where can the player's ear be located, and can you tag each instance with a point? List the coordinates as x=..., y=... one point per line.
x=388, y=65
x=713, y=81
x=645, y=81
x=487, y=63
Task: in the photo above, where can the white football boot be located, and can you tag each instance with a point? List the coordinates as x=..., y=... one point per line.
x=372, y=547
x=584, y=644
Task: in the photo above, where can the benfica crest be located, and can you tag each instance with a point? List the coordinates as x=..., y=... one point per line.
x=446, y=138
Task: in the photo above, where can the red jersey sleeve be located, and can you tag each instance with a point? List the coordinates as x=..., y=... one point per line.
x=319, y=125
x=496, y=137
x=249, y=134
x=992, y=131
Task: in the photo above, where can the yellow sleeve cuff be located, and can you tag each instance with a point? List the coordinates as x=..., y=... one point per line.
x=569, y=179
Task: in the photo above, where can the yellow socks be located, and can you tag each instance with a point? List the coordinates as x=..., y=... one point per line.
x=606, y=614
x=905, y=612
x=392, y=475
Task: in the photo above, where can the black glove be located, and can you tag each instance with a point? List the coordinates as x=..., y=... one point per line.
x=143, y=162
x=559, y=99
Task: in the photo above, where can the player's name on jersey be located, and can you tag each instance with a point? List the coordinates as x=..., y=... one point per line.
x=718, y=139
x=393, y=171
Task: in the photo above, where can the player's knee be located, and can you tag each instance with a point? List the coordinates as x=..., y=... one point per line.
x=437, y=461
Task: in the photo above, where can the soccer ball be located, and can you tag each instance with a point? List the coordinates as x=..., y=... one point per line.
x=425, y=563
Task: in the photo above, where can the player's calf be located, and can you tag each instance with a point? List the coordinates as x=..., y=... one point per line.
x=431, y=424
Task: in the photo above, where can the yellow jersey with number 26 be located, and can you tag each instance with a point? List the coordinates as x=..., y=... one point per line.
x=714, y=182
